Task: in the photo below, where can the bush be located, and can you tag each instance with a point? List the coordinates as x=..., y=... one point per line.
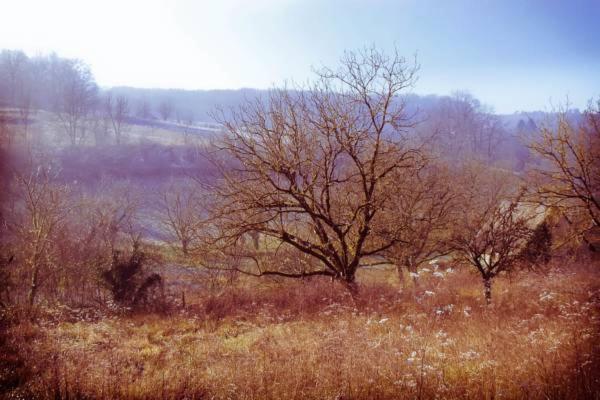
x=130, y=285
x=537, y=252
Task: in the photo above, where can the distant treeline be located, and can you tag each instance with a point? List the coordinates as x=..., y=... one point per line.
x=66, y=87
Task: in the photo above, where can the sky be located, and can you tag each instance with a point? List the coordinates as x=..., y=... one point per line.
x=513, y=55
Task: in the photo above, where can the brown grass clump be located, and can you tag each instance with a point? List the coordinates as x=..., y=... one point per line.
x=311, y=340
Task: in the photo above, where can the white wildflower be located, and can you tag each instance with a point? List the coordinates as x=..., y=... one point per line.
x=546, y=296
x=469, y=355
x=412, y=357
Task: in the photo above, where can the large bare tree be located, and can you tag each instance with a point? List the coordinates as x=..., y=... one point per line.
x=312, y=167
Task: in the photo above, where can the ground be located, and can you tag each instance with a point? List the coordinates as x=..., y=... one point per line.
x=257, y=339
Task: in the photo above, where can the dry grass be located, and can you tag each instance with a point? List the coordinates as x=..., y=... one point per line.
x=310, y=340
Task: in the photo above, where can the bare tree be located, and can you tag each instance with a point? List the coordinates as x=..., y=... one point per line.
x=25, y=107
x=312, y=168
x=39, y=217
x=75, y=98
x=6, y=130
x=181, y=212
x=188, y=126
x=15, y=70
x=569, y=176
x=13, y=65
x=465, y=128
x=117, y=110
x=421, y=213
x=165, y=109
x=494, y=224
x=143, y=110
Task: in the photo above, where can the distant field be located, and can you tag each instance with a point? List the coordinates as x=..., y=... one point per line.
x=44, y=127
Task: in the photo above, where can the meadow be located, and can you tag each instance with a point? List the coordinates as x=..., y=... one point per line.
x=268, y=339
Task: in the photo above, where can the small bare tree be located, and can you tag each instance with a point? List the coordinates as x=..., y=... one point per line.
x=165, y=109
x=188, y=127
x=115, y=215
x=117, y=111
x=421, y=213
x=494, y=225
x=181, y=213
x=6, y=131
x=312, y=168
x=143, y=110
x=13, y=66
x=40, y=212
x=74, y=98
x=16, y=71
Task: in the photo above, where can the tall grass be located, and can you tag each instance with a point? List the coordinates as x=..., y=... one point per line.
x=309, y=339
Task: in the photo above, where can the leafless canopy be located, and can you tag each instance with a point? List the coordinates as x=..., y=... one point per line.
x=75, y=98
x=181, y=213
x=494, y=224
x=569, y=178
x=420, y=214
x=314, y=167
x=117, y=111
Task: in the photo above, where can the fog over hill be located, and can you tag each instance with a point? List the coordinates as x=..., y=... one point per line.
x=201, y=103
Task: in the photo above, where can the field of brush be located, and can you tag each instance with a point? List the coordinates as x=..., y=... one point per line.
x=246, y=338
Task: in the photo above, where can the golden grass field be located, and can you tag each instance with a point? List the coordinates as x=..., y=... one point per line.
x=308, y=339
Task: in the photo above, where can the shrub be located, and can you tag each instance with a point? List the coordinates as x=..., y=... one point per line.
x=129, y=284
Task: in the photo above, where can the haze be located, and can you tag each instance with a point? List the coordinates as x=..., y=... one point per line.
x=512, y=55
x=261, y=199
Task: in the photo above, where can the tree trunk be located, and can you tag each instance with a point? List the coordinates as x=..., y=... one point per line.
x=33, y=287
x=487, y=290
x=401, y=276
x=412, y=270
x=352, y=287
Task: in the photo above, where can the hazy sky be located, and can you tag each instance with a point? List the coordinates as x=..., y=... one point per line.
x=513, y=55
